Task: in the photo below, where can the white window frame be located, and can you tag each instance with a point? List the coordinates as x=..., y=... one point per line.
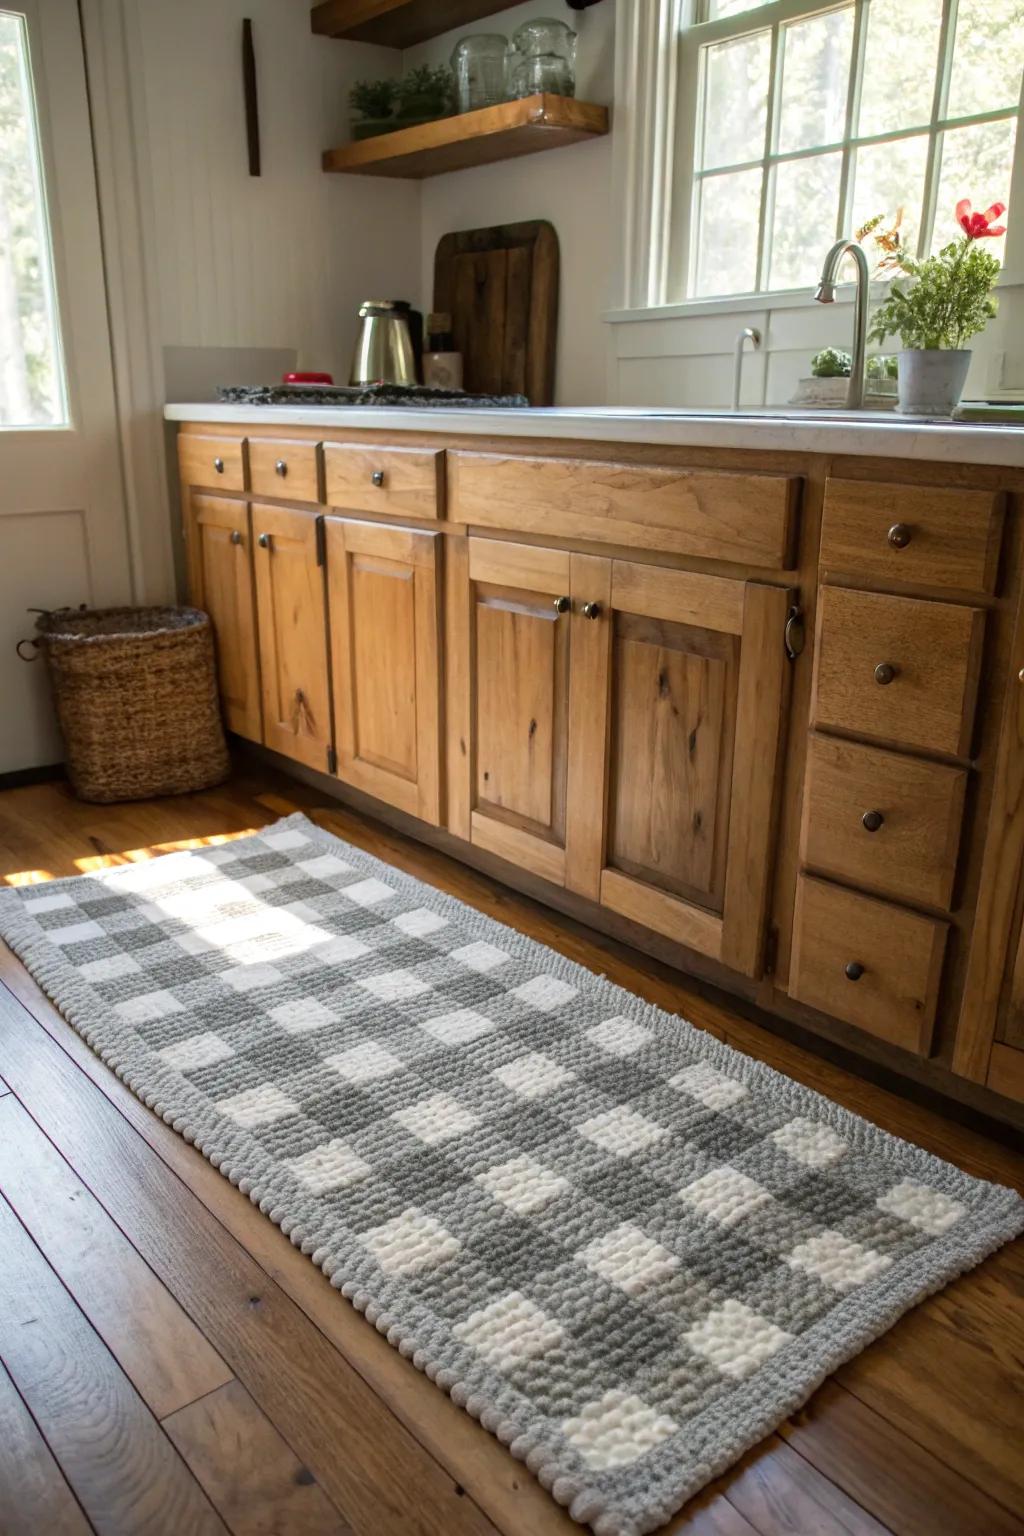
x=658, y=93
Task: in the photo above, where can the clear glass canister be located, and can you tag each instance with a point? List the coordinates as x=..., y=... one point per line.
x=543, y=58
x=479, y=66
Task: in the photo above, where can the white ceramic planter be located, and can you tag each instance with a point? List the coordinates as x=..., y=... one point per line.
x=931, y=382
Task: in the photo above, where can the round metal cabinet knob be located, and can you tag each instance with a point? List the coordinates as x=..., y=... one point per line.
x=591, y=610
x=264, y=541
x=872, y=820
x=281, y=467
x=885, y=672
x=899, y=535
x=378, y=477
x=218, y=465
x=854, y=971
x=236, y=537
x=562, y=604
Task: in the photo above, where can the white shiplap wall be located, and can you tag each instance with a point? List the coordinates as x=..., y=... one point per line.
x=284, y=259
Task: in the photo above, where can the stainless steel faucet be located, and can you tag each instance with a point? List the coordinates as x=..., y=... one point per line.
x=826, y=294
x=751, y=334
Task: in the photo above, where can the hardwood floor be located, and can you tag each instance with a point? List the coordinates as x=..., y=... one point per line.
x=171, y=1366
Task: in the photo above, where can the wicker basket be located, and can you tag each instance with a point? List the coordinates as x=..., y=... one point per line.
x=136, y=696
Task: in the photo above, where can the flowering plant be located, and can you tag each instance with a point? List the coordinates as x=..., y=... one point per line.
x=950, y=299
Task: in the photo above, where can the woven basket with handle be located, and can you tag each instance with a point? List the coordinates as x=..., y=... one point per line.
x=136, y=697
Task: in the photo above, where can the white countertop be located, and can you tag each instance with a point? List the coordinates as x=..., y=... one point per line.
x=876, y=434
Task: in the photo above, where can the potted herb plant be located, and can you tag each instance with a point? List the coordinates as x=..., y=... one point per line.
x=948, y=300
x=425, y=94
x=374, y=100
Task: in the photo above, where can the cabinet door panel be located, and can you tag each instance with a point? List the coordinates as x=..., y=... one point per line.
x=518, y=679
x=221, y=584
x=292, y=634
x=689, y=714
x=386, y=662
x=673, y=698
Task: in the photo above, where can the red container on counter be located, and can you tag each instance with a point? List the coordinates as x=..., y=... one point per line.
x=307, y=378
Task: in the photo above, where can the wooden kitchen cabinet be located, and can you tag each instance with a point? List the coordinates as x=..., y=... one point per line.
x=386, y=662
x=292, y=631
x=219, y=547
x=624, y=730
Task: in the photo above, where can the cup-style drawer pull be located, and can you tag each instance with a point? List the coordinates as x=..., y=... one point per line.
x=854, y=971
x=885, y=673
x=899, y=535
x=264, y=541
x=281, y=468
x=236, y=537
x=218, y=465
x=562, y=604
x=591, y=610
x=378, y=477
x=872, y=820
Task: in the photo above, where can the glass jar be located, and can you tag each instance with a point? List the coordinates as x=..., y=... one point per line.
x=543, y=59
x=479, y=66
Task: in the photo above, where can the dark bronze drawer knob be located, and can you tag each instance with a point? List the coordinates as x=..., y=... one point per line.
x=218, y=465
x=899, y=535
x=854, y=971
x=591, y=610
x=264, y=541
x=378, y=477
x=885, y=672
x=236, y=537
x=281, y=467
x=872, y=820
x=562, y=604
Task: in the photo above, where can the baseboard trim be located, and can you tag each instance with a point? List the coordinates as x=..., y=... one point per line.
x=46, y=774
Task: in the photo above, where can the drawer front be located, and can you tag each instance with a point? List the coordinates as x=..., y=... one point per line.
x=217, y=463
x=866, y=962
x=278, y=467
x=902, y=669
x=748, y=519
x=881, y=820
x=364, y=478
x=913, y=533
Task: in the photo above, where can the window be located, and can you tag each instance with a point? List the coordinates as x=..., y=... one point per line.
x=32, y=388
x=807, y=119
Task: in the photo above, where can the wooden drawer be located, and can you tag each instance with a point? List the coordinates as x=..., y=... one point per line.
x=364, y=478
x=913, y=533
x=279, y=467
x=898, y=953
x=911, y=853
x=744, y=518
x=214, y=462
x=932, y=652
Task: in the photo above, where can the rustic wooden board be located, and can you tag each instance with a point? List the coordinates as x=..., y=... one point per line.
x=500, y=286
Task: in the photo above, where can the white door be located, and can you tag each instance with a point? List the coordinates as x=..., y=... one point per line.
x=63, y=532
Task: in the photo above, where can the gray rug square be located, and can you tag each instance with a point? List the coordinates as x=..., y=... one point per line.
x=628, y=1250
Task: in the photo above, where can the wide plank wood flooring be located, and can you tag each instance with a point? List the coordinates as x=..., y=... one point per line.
x=171, y=1366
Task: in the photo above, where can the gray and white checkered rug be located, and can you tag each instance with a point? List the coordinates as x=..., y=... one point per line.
x=627, y=1249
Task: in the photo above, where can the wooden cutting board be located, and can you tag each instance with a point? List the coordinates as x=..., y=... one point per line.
x=500, y=287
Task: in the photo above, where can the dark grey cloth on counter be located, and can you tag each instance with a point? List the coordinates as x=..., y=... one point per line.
x=371, y=394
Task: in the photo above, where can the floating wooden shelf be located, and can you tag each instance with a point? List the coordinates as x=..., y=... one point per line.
x=397, y=23
x=472, y=138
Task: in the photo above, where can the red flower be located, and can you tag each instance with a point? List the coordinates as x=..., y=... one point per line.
x=976, y=226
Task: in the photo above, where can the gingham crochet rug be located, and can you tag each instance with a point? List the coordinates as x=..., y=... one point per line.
x=627, y=1249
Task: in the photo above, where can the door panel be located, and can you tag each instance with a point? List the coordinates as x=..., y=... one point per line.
x=683, y=701
x=383, y=589
x=673, y=705
x=221, y=583
x=292, y=634
x=519, y=703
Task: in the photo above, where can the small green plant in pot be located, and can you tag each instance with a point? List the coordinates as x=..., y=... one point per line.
x=948, y=300
x=374, y=100
x=425, y=94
